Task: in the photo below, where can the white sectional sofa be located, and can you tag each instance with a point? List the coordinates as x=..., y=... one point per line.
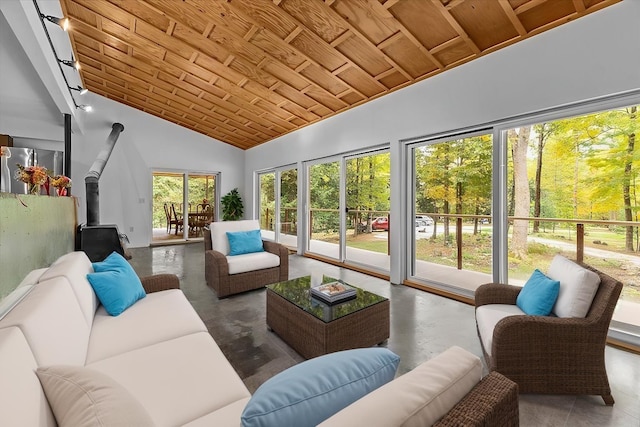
x=161, y=354
x=158, y=349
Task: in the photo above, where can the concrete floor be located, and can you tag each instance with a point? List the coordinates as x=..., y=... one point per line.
x=422, y=326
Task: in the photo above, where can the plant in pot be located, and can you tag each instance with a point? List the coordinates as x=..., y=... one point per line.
x=232, y=209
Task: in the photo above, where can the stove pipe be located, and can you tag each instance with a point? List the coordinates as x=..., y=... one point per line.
x=93, y=176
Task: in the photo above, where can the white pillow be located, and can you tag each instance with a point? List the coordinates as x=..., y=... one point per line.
x=418, y=398
x=80, y=397
x=578, y=286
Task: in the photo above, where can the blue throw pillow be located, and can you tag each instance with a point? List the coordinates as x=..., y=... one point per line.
x=538, y=295
x=116, y=284
x=114, y=261
x=244, y=242
x=312, y=391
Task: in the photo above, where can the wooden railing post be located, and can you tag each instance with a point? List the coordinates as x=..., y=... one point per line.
x=579, y=242
x=459, y=241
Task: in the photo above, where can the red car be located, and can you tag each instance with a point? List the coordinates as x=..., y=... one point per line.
x=380, y=223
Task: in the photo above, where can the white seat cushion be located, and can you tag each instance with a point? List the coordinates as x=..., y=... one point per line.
x=160, y=316
x=219, y=240
x=22, y=400
x=177, y=381
x=252, y=262
x=578, y=286
x=488, y=316
x=227, y=416
x=418, y=398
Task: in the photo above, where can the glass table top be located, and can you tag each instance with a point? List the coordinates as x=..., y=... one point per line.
x=297, y=291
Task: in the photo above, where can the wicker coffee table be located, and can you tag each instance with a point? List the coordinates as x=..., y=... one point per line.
x=313, y=327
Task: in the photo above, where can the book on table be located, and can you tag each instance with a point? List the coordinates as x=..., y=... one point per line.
x=333, y=292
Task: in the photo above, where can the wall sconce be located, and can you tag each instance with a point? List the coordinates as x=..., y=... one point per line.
x=62, y=22
x=80, y=89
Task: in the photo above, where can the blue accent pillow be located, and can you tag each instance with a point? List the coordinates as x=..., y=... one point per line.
x=312, y=391
x=244, y=242
x=116, y=284
x=538, y=295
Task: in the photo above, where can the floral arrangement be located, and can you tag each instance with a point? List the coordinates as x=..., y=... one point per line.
x=60, y=183
x=33, y=176
x=205, y=202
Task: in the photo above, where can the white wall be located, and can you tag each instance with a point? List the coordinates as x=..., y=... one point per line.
x=594, y=56
x=147, y=143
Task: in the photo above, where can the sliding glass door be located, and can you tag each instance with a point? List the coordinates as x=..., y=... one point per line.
x=184, y=203
x=278, y=205
x=451, y=243
x=348, y=209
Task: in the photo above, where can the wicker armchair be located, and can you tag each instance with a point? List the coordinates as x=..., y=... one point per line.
x=217, y=266
x=552, y=355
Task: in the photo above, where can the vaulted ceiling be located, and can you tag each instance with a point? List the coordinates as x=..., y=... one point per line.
x=247, y=71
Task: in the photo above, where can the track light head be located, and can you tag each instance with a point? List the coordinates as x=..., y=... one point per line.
x=87, y=108
x=73, y=64
x=62, y=22
x=80, y=89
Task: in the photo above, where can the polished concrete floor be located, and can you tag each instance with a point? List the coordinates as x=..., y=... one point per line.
x=422, y=326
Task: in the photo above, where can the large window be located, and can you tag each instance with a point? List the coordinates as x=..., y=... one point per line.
x=451, y=234
x=572, y=189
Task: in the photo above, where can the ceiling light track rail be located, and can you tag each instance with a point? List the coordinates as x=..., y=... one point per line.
x=73, y=63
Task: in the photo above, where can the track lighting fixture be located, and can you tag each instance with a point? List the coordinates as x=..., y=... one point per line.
x=73, y=64
x=80, y=89
x=62, y=22
x=87, y=108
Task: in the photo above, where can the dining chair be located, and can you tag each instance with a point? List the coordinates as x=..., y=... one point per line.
x=175, y=219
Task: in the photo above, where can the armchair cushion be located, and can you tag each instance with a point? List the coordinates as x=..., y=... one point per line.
x=538, y=295
x=578, y=286
x=219, y=229
x=244, y=242
x=488, y=316
x=252, y=262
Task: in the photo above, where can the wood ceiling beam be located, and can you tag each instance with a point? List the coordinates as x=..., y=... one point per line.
x=508, y=10
x=456, y=26
x=528, y=6
x=335, y=15
x=383, y=11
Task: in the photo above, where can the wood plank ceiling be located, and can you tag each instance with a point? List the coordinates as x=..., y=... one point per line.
x=247, y=71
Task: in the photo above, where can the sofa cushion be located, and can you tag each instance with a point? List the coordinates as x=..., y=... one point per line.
x=83, y=397
x=417, y=398
x=22, y=401
x=218, y=229
x=52, y=322
x=226, y=416
x=75, y=266
x=244, y=242
x=252, y=262
x=161, y=316
x=179, y=380
x=488, y=316
x=116, y=284
x=310, y=392
x=578, y=286
x=538, y=295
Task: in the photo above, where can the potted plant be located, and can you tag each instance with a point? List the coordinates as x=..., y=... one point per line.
x=232, y=209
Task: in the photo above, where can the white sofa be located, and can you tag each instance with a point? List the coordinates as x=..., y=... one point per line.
x=160, y=352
